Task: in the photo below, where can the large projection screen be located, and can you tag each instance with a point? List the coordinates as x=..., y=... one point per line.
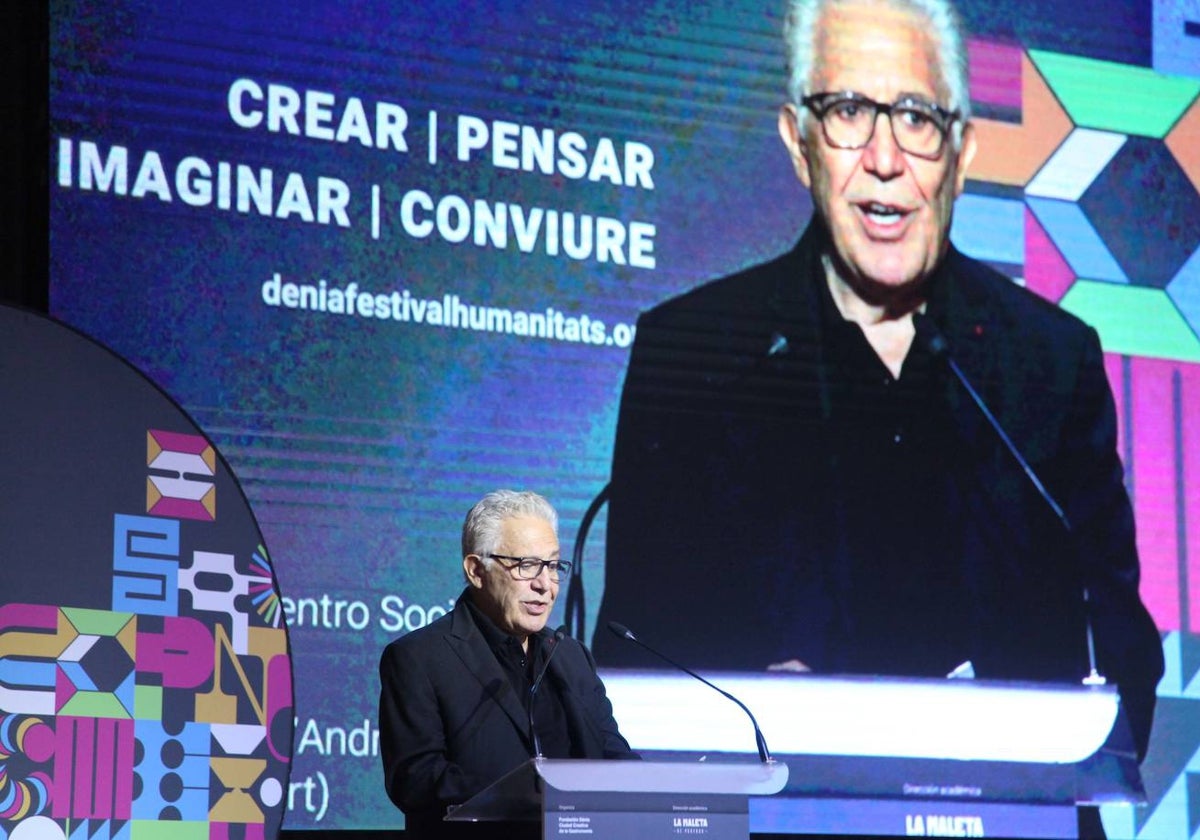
x=390, y=257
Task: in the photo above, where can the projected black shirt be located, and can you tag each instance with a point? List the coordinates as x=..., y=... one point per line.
x=777, y=495
x=899, y=607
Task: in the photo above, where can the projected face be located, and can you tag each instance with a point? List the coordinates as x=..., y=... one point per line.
x=888, y=210
x=518, y=607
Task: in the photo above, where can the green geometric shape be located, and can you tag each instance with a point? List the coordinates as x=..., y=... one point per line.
x=96, y=622
x=1116, y=97
x=94, y=704
x=147, y=702
x=167, y=830
x=1133, y=321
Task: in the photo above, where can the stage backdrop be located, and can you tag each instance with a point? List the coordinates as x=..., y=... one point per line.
x=145, y=683
x=389, y=256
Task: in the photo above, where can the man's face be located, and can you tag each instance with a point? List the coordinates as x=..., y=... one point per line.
x=888, y=211
x=518, y=607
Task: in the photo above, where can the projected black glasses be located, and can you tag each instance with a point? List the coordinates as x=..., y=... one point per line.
x=848, y=121
x=527, y=568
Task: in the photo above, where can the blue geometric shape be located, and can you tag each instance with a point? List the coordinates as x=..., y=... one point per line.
x=101, y=830
x=78, y=676
x=1173, y=680
x=24, y=674
x=1184, y=291
x=173, y=771
x=989, y=229
x=1146, y=210
x=1193, y=795
x=125, y=693
x=1174, y=753
x=1068, y=227
x=1176, y=46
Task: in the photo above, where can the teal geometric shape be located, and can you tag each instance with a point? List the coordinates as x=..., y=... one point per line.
x=102, y=830
x=1171, y=684
x=1116, y=97
x=1119, y=821
x=1184, y=290
x=1076, y=239
x=1170, y=816
x=1133, y=321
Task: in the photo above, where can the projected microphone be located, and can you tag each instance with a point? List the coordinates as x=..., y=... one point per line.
x=931, y=337
x=624, y=632
x=559, y=635
x=779, y=345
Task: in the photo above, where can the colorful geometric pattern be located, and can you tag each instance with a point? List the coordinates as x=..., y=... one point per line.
x=178, y=465
x=1094, y=168
x=166, y=711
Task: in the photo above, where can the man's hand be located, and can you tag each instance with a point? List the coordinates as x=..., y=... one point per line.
x=794, y=666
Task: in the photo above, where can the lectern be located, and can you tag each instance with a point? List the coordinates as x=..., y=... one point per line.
x=628, y=800
x=898, y=756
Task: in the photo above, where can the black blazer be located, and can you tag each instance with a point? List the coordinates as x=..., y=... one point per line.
x=450, y=723
x=727, y=495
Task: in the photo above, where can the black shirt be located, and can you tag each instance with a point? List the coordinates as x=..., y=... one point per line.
x=522, y=667
x=896, y=451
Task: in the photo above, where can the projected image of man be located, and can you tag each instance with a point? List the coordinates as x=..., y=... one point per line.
x=457, y=709
x=799, y=467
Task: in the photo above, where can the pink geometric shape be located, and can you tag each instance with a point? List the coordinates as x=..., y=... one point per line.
x=1189, y=458
x=64, y=767
x=102, y=777
x=181, y=509
x=995, y=77
x=182, y=653
x=64, y=689
x=1154, y=487
x=38, y=743
x=178, y=442
x=123, y=784
x=1046, y=272
x=279, y=678
x=28, y=616
x=85, y=764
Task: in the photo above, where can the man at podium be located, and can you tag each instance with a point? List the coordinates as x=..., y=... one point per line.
x=800, y=459
x=476, y=693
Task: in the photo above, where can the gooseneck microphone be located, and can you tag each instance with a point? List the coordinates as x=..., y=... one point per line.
x=559, y=635
x=932, y=339
x=624, y=632
x=930, y=336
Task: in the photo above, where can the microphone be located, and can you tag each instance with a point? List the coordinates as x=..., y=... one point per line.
x=559, y=635
x=624, y=632
x=576, y=614
x=931, y=337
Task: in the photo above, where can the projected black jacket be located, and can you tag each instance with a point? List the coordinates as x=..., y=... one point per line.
x=776, y=497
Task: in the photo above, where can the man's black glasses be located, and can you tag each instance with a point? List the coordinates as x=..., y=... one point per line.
x=848, y=121
x=528, y=568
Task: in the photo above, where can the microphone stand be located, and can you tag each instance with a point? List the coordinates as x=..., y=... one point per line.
x=576, y=613
x=559, y=634
x=764, y=754
x=939, y=348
